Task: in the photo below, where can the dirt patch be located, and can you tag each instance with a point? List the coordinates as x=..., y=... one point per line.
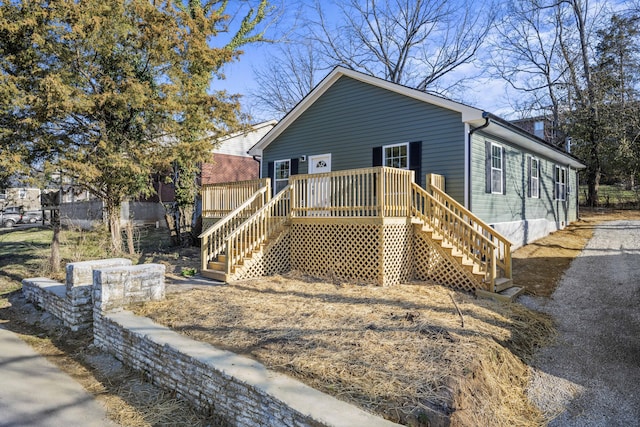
x=403, y=352
x=539, y=266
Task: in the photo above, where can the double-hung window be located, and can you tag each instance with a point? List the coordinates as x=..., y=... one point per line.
x=396, y=156
x=560, y=183
x=281, y=174
x=497, y=169
x=534, y=178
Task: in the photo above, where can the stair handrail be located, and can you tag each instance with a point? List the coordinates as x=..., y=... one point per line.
x=457, y=232
x=503, y=244
x=214, y=238
x=258, y=228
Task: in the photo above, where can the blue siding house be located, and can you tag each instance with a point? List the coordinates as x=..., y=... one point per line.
x=514, y=181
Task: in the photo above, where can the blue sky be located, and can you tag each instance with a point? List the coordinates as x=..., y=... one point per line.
x=489, y=94
x=493, y=95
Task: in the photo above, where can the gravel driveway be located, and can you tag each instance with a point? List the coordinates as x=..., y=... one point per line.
x=591, y=375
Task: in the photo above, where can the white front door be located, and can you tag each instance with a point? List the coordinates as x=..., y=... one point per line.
x=319, y=194
x=320, y=163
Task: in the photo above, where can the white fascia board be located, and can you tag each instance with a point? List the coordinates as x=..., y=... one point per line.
x=532, y=145
x=468, y=114
x=296, y=112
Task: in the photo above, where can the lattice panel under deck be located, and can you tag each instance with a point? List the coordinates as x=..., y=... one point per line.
x=432, y=263
x=348, y=252
x=398, y=253
x=273, y=259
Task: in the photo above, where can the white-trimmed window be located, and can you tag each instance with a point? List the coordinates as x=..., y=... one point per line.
x=281, y=174
x=396, y=156
x=560, y=183
x=497, y=169
x=534, y=177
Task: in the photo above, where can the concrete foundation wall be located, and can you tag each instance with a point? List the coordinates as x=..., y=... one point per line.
x=521, y=233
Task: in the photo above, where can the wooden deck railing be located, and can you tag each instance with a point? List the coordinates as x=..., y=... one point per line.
x=465, y=232
x=258, y=228
x=214, y=239
x=367, y=192
x=218, y=200
x=503, y=255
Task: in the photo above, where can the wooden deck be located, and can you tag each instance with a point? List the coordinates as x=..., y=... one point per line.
x=376, y=208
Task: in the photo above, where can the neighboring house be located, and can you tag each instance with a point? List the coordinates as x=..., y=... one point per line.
x=230, y=159
x=26, y=198
x=511, y=179
x=230, y=163
x=545, y=128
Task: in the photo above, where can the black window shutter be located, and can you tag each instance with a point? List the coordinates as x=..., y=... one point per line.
x=294, y=166
x=487, y=165
x=504, y=170
x=271, y=175
x=528, y=176
x=415, y=160
x=377, y=156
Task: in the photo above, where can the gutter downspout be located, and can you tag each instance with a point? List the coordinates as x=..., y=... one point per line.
x=259, y=160
x=485, y=116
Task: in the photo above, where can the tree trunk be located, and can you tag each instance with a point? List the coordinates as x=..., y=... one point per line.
x=130, y=245
x=172, y=225
x=186, y=220
x=113, y=215
x=594, y=172
x=54, y=261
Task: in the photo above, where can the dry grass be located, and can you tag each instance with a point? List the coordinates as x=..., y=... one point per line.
x=540, y=265
x=401, y=352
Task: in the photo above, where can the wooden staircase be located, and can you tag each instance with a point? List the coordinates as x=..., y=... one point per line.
x=216, y=269
x=231, y=245
x=470, y=250
x=475, y=246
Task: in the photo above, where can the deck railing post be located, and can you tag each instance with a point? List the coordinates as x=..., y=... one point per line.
x=380, y=205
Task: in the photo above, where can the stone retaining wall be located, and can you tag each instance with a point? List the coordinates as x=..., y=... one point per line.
x=234, y=387
x=70, y=302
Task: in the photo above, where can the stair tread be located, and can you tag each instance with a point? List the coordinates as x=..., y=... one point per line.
x=502, y=283
x=220, y=276
x=507, y=295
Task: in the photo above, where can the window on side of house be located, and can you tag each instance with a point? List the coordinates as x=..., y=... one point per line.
x=560, y=183
x=497, y=169
x=281, y=174
x=534, y=178
x=538, y=129
x=396, y=156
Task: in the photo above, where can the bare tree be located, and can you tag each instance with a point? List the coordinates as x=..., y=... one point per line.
x=546, y=51
x=287, y=78
x=528, y=57
x=411, y=42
